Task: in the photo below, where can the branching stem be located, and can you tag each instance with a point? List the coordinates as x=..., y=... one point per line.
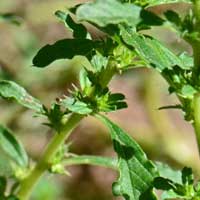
x=30, y=181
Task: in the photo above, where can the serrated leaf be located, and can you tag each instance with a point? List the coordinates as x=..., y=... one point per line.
x=11, y=90
x=136, y=171
x=64, y=49
x=151, y=51
x=12, y=147
x=76, y=106
x=103, y=13
x=79, y=31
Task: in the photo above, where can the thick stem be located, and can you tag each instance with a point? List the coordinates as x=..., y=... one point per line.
x=30, y=181
x=196, y=106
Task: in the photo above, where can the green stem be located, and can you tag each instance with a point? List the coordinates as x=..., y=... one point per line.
x=196, y=71
x=30, y=181
x=196, y=124
x=195, y=42
x=91, y=160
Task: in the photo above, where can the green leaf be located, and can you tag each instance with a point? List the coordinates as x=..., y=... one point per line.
x=76, y=106
x=99, y=62
x=11, y=90
x=64, y=49
x=136, y=171
x=173, y=17
x=11, y=18
x=188, y=91
x=12, y=147
x=103, y=13
x=170, y=195
x=149, y=19
x=79, y=31
x=3, y=184
x=166, y=171
x=151, y=51
x=187, y=60
x=55, y=116
x=160, y=2
x=187, y=176
x=11, y=197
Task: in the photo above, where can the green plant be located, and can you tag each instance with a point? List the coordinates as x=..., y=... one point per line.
x=125, y=46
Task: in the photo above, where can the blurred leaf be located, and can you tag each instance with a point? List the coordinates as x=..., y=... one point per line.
x=47, y=189
x=187, y=60
x=3, y=184
x=11, y=90
x=149, y=19
x=79, y=31
x=11, y=197
x=63, y=49
x=177, y=106
x=166, y=171
x=163, y=183
x=103, y=13
x=151, y=51
x=170, y=195
x=173, y=17
x=136, y=171
x=160, y=2
x=13, y=147
x=188, y=91
x=11, y=18
x=187, y=176
x=99, y=62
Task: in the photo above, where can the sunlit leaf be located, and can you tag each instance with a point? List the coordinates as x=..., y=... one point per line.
x=136, y=171
x=76, y=106
x=103, y=13
x=11, y=90
x=152, y=51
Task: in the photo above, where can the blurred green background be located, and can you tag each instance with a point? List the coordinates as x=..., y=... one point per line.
x=164, y=135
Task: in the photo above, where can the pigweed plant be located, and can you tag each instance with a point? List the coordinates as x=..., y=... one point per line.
x=124, y=46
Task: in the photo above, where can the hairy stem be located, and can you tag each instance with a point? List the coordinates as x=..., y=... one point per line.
x=30, y=181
